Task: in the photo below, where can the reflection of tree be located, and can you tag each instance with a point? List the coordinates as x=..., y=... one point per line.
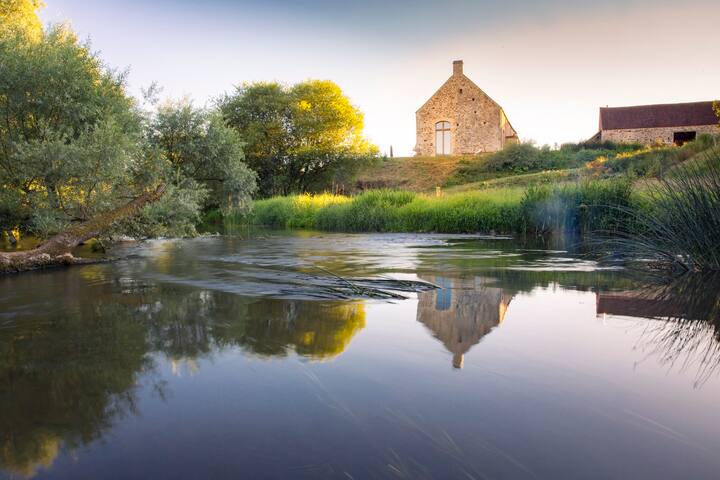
x=190, y=324
x=66, y=377
x=312, y=329
x=461, y=312
x=689, y=310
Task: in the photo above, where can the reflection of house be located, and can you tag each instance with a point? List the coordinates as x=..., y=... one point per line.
x=636, y=304
x=461, y=312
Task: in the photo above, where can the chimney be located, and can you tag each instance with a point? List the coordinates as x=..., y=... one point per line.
x=458, y=67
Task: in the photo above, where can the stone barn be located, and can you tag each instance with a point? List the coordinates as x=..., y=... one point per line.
x=649, y=124
x=461, y=119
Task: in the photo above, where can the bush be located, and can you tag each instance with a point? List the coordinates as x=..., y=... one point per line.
x=527, y=158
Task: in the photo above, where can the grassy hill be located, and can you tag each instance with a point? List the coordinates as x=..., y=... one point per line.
x=520, y=189
x=418, y=174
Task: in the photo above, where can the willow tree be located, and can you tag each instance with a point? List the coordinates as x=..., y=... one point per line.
x=71, y=143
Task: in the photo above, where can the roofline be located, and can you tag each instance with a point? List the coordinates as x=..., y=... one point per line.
x=473, y=84
x=660, y=104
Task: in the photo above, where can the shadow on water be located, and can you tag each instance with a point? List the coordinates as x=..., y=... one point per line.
x=73, y=359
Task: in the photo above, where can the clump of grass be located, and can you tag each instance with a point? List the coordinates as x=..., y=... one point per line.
x=372, y=211
x=680, y=230
x=585, y=207
x=295, y=211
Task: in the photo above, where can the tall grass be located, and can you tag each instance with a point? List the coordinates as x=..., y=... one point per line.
x=680, y=230
x=573, y=208
x=586, y=207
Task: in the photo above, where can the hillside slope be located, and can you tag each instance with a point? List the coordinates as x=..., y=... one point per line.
x=419, y=174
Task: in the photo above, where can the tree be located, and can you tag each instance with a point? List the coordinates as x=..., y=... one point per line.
x=198, y=146
x=20, y=16
x=70, y=145
x=302, y=138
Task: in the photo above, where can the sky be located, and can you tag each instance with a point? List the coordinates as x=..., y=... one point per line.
x=549, y=63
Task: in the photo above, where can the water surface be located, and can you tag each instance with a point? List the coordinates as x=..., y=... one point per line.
x=227, y=357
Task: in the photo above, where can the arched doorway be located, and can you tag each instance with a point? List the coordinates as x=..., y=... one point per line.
x=443, y=139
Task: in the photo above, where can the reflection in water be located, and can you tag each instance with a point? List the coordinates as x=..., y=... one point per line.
x=68, y=376
x=84, y=351
x=689, y=310
x=461, y=312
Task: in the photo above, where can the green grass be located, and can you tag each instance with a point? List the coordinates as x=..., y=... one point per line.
x=577, y=207
x=678, y=230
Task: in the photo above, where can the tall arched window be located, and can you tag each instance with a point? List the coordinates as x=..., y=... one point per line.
x=443, y=141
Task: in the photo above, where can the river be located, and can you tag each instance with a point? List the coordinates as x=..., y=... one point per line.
x=246, y=357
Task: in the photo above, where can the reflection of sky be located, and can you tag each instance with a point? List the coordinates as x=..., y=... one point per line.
x=551, y=64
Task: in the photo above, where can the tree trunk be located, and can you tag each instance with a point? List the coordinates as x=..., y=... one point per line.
x=56, y=251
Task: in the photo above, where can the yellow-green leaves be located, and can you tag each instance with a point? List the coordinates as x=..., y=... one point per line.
x=20, y=17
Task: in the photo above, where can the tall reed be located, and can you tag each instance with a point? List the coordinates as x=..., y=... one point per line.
x=679, y=230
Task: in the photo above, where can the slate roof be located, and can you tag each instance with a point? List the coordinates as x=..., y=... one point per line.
x=654, y=116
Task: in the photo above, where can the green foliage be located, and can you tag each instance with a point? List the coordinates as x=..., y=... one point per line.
x=372, y=211
x=304, y=138
x=19, y=17
x=518, y=159
x=651, y=162
x=574, y=208
x=70, y=140
x=679, y=229
x=195, y=145
x=73, y=144
x=585, y=207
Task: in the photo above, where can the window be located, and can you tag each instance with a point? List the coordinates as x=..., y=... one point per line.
x=680, y=138
x=443, y=296
x=443, y=141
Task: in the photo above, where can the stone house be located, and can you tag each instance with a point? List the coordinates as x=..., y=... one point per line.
x=461, y=119
x=649, y=124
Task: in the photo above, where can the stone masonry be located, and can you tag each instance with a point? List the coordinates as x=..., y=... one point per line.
x=477, y=123
x=661, y=123
x=650, y=136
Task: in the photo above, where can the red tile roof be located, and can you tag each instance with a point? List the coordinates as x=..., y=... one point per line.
x=653, y=116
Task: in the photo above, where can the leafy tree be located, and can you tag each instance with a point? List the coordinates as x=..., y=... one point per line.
x=199, y=147
x=306, y=137
x=20, y=16
x=74, y=145
x=70, y=141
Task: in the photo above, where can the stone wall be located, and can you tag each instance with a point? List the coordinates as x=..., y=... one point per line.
x=650, y=136
x=477, y=123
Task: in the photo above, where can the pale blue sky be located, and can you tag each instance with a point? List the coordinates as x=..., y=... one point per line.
x=550, y=64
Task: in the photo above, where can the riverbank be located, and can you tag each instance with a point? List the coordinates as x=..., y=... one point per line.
x=579, y=207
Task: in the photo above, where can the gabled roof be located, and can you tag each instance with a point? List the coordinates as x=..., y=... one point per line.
x=654, y=116
x=465, y=78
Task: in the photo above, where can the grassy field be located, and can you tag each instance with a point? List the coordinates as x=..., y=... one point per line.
x=582, y=189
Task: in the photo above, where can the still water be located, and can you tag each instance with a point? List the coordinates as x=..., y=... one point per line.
x=230, y=357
